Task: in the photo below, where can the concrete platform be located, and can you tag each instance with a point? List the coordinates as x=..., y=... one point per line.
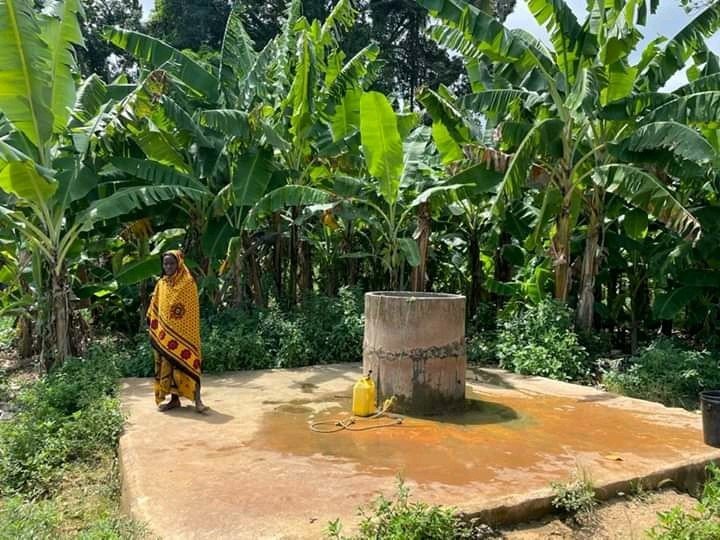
x=252, y=468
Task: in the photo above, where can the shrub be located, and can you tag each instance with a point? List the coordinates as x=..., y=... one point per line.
x=231, y=341
x=703, y=524
x=481, y=348
x=4, y=387
x=481, y=331
x=132, y=357
x=321, y=330
x=24, y=520
x=284, y=340
x=540, y=340
x=8, y=333
x=333, y=328
x=86, y=505
x=400, y=519
x=666, y=372
x=576, y=498
x=71, y=415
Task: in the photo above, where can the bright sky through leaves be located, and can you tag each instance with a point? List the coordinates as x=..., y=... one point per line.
x=669, y=18
x=667, y=21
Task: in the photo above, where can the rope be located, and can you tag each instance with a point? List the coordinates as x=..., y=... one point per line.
x=347, y=423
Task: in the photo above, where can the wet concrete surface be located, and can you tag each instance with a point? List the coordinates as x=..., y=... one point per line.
x=252, y=468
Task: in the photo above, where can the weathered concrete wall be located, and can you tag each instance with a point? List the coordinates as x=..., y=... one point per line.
x=415, y=346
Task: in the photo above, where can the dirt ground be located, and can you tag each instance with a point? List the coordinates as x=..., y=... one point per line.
x=623, y=518
x=14, y=374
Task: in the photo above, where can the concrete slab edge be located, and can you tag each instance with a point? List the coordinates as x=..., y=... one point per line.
x=686, y=476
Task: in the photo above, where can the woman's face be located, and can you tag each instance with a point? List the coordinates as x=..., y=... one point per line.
x=170, y=265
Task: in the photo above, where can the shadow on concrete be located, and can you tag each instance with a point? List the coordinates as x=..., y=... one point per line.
x=305, y=387
x=327, y=373
x=483, y=376
x=234, y=379
x=477, y=413
x=605, y=396
x=211, y=416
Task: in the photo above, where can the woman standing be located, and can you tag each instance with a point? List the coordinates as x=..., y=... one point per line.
x=174, y=321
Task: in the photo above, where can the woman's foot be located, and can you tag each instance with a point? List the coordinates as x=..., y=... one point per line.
x=172, y=404
x=200, y=406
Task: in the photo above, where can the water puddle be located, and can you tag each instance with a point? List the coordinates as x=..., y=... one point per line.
x=505, y=439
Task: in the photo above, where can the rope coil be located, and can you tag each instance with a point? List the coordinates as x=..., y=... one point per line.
x=347, y=423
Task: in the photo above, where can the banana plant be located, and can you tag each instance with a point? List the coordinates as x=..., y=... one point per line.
x=386, y=181
x=562, y=115
x=309, y=118
x=270, y=111
x=47, y=158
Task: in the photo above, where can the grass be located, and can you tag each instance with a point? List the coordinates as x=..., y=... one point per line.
x=85, y=504
x=575, y=497
x=639, y=492
x=400, y=518
x=58, y=467
x=702, y=524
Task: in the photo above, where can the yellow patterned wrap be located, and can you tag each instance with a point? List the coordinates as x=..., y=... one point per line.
x=174, y=322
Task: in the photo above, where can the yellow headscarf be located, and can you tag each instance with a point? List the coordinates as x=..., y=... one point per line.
x=174, y=318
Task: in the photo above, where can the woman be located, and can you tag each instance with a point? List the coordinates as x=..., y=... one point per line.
x=174, y=321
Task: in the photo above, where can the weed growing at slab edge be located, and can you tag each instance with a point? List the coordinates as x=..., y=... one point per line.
x=576, y=497
x=638, y=491
x=702, y=524
x=400, y=519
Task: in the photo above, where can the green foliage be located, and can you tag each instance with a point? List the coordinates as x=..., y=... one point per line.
x=86, y=505
x=189, y=24
x=58, y=468
x=69, y=416
x=539, y=340
x=481, y=348
x=400, y=519
x=7, y=333
x=99, y=14
x=576, y=497
x=321, y=330
x=703, y=524
x=667, y=372
x=23, y=519
x=481, y=333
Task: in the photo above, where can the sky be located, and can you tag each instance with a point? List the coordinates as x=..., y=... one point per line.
x=147, y=6
x=668, y=19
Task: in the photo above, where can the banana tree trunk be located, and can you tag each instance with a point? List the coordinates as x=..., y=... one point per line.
x=79, y=334
x=352, y=263
x=294, y=246
x=305, y=264
x=59, y=343
x=278, y=257
x=476, y=274
x=561, y=252
x=639, y=302
x=238, y=285
x=612, y=294
x=417, y=278
x=25, y=340
x=590, y=264
x=503, y=270
x=666, y=327
x=253, y=271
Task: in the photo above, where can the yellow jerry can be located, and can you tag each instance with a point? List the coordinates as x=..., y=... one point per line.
x=364, y=397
